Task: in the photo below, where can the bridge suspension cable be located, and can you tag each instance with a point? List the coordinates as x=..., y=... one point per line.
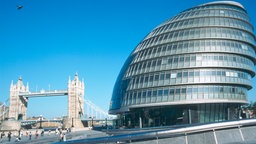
x=93, y=111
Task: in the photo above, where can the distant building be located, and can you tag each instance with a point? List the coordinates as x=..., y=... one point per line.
x=195, y=67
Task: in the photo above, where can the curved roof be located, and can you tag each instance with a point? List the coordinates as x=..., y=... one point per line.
x=224, y=2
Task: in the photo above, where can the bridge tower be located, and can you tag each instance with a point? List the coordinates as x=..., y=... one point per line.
x=18, y=104
x=75, y=102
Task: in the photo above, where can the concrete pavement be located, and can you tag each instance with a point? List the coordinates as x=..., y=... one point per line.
x=53, y=138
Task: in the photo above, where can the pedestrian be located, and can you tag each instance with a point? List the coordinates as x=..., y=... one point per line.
x=42, y=132
x=57, y=131
x=30, y=135
x=61, y=137
x=64, y=137
x=2, y=136
x=17, y=139
x=9, y=136
x=36, y=134
x=20, y=135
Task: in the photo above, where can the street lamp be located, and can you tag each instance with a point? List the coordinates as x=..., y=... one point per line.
x=91, y=120
x=106, y=123
x=40, y=117
x=72, y=122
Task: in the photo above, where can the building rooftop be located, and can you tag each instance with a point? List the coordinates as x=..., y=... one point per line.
x=224, y=2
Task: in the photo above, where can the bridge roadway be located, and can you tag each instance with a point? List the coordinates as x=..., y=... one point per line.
x=44, y=93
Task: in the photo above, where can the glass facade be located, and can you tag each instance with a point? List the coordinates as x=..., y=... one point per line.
x=179, y=114
x=195, y=67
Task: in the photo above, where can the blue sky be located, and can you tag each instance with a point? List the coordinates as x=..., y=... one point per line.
x=47, y=41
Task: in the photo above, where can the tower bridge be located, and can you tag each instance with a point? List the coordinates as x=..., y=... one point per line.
x=20, y=95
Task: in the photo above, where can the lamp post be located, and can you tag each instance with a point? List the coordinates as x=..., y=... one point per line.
x=40, y=117
x=106, y=123
x=72, y=122
x=91, y=121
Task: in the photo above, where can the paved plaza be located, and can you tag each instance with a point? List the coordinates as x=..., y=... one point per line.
x=52, y=137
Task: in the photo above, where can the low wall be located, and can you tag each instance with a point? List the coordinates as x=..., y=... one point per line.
x=10, y=125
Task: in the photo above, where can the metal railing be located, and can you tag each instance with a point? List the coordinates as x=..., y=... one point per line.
x=29, y=122
x=167, y=133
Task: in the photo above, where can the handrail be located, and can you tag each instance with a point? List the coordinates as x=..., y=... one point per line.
x=171, y=132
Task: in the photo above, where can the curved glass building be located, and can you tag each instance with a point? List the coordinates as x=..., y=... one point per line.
x=196, y=67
